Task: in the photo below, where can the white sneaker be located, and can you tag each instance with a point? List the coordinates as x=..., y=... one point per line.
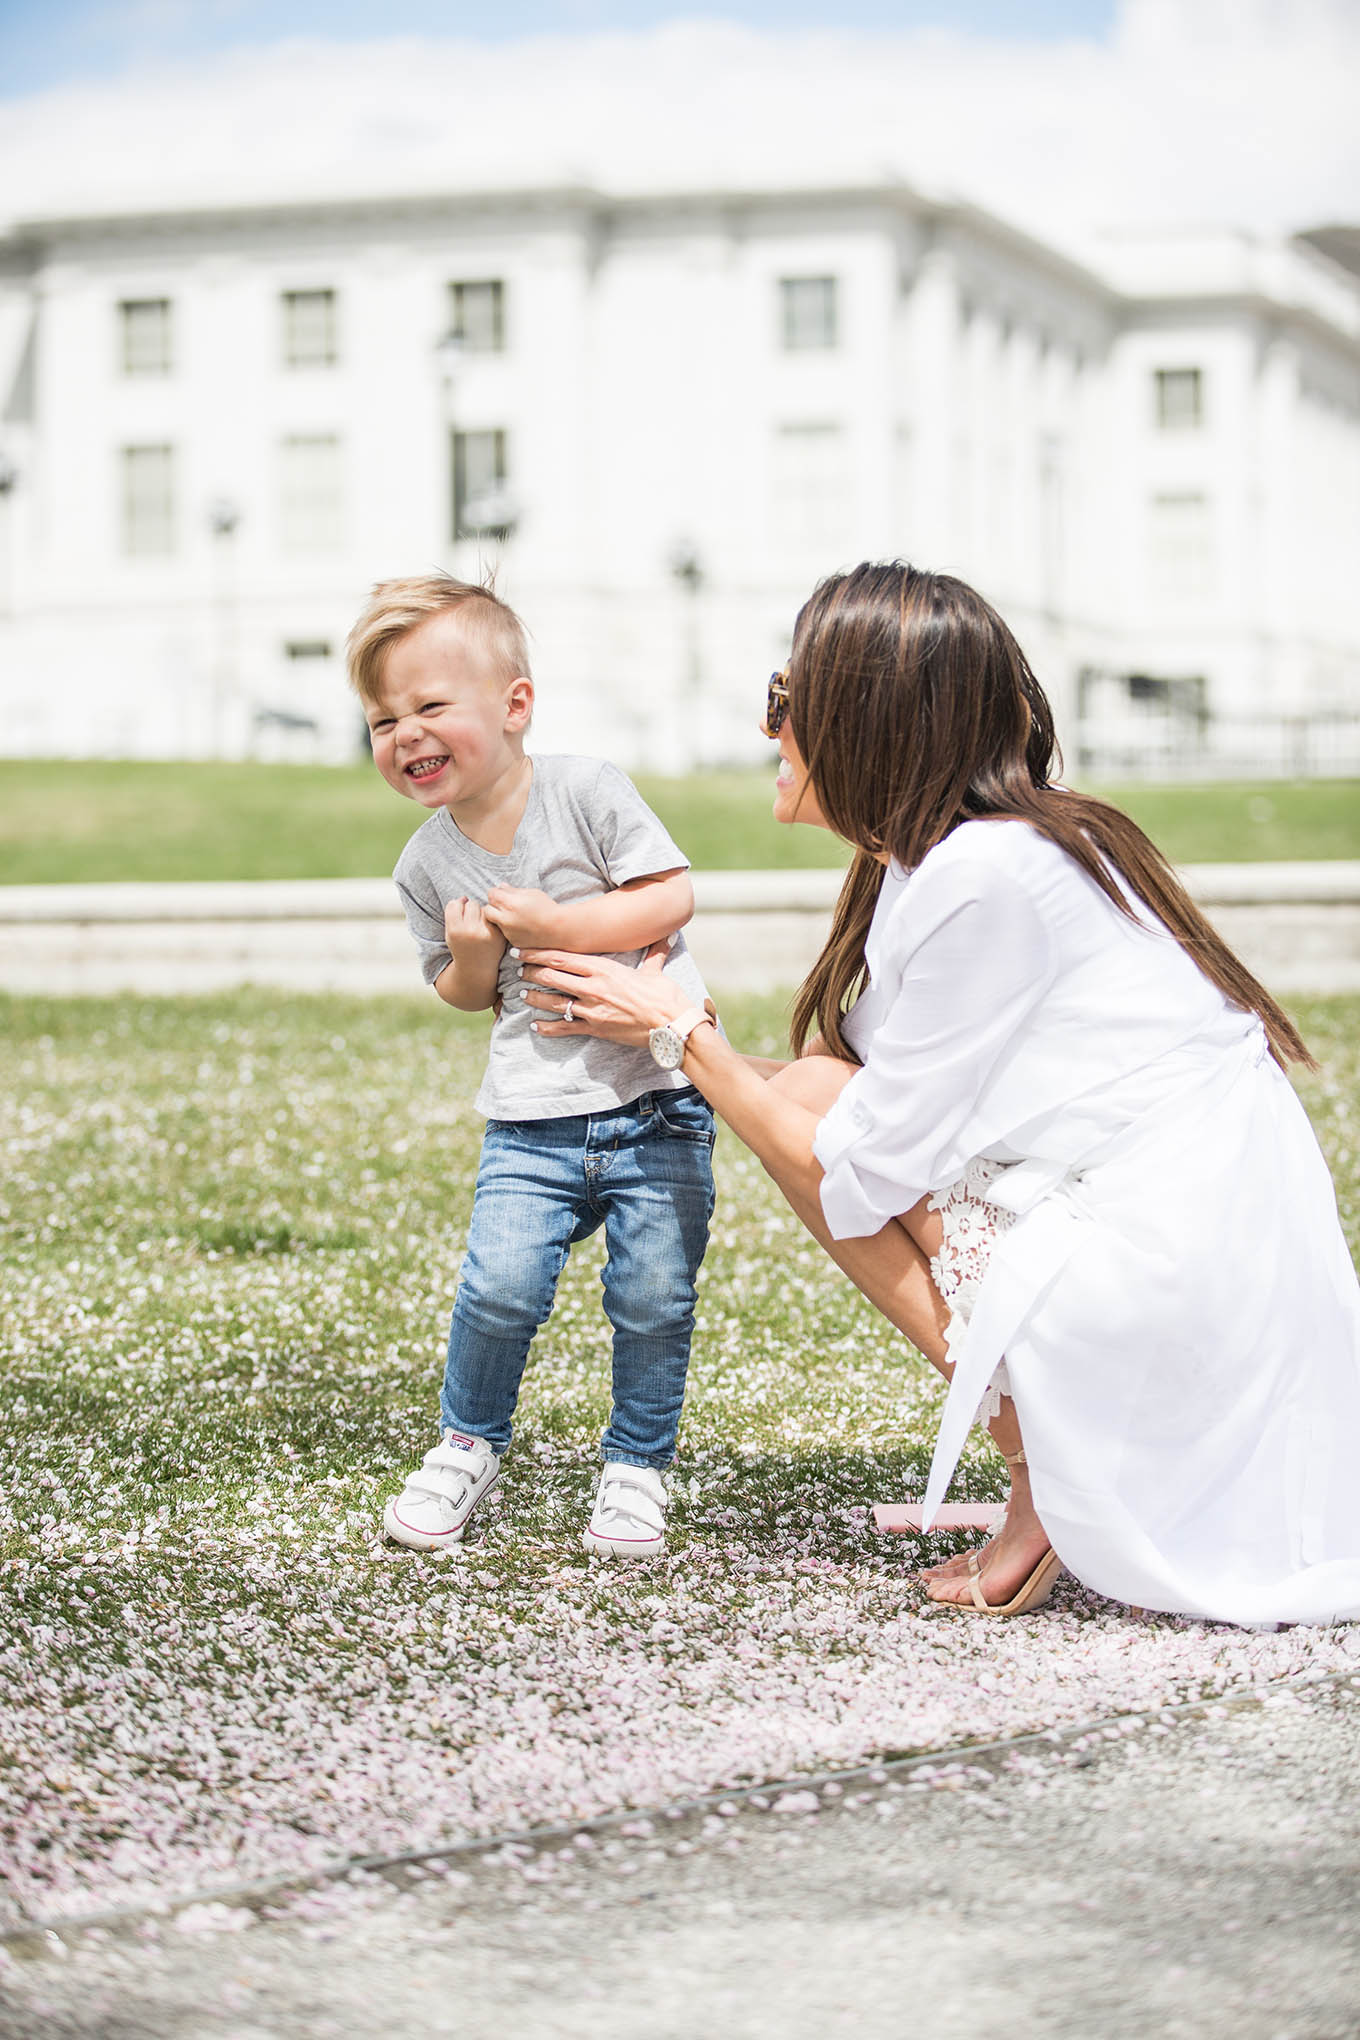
x=433, y=1508
x=629, y=1516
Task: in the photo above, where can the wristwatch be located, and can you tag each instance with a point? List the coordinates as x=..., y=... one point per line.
x=667, y=1042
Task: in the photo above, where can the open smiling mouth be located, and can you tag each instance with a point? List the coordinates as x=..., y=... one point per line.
x=425, y=768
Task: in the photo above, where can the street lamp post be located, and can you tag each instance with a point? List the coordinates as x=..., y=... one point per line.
x=448, y=354
x=688, y=574
x=224, y=519
x=9, y=482
x=492, y=513
x=488, y=512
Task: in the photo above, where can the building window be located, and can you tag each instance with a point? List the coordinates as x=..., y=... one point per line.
x=309, y=329
x=807, y=313
x=1147, y=689
x=1178, y=395
x=809, y=487
x=477, y=316
x=310, y=493
x=1180, y=547
x=479, y=476
x=148, y=500
x=144, y=336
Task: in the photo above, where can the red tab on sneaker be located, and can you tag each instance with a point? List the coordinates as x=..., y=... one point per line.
x=457, y=1438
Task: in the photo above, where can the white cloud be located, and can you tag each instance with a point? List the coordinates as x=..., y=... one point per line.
x=1195, y=111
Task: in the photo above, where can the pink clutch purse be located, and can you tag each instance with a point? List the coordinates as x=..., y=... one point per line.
x=949, y=1516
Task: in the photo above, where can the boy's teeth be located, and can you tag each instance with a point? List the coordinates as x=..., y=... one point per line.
x=425, y=767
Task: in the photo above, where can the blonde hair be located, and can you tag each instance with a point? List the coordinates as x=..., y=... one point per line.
x=396, y=608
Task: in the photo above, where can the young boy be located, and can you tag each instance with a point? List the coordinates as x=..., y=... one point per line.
x=556, y=852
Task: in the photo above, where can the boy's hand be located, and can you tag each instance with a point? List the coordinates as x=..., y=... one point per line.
x=470, y=934
x=525, y=916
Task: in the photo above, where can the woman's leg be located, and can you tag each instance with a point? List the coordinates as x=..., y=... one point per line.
x=889, y=1267
x=892, y=1269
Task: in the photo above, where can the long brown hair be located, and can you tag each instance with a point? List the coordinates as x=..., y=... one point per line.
x=915, y=709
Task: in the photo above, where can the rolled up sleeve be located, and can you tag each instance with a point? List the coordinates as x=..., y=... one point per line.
x=973, y=960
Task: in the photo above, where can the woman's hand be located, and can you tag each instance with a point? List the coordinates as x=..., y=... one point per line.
x=613, y=1001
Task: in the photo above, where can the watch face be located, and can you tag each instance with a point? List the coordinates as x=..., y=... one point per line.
x=668, y=1049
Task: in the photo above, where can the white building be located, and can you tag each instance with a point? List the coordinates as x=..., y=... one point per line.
x=663, y=418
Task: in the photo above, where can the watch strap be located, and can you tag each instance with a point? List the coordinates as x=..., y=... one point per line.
x=688, y=1021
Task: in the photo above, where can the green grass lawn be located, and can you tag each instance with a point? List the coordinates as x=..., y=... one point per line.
x=1278, y=820
x=92, y=820
x=232, y=1231
x=103, y=820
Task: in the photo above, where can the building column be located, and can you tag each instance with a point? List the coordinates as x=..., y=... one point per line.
x=934, y=316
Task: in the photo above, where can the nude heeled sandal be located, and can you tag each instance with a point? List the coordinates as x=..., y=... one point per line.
x=1033, y=1594
x=1036, y=1588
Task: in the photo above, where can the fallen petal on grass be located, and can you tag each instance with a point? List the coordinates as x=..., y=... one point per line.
x=233, y=1230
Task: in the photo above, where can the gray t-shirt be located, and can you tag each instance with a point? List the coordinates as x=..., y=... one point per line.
x=585, y=830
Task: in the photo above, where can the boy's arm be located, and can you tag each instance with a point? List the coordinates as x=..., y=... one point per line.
x=468, y=979
x=632, y=916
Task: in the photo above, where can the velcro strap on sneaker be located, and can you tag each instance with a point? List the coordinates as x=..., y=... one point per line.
x=457, y=1458
x=630, y=1500
x=448, y=1471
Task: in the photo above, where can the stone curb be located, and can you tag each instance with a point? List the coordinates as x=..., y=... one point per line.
x=359, y=899
x=1315, y=883
x=1297, y=926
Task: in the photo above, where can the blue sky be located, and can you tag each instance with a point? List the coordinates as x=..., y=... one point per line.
x=57, y=42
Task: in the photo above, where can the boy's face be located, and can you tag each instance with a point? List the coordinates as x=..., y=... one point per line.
x=447, y=727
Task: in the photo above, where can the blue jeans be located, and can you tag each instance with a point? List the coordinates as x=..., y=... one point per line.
x=644, y=1172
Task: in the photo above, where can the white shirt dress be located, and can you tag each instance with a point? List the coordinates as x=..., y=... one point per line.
x=1142, y=1222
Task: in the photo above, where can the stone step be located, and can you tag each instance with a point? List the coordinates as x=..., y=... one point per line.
x=1296, y=925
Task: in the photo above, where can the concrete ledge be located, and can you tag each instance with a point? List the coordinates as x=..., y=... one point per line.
x=727, y=892
x=262, y=899
x=1331, y=883
x=359, y=899
x=1296, y=925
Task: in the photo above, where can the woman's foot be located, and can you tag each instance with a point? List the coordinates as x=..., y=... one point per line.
x=1003, y=1565
x=956, y=1568
x=961, y=1565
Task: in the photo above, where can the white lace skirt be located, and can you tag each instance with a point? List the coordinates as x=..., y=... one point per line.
x=972, y=1227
